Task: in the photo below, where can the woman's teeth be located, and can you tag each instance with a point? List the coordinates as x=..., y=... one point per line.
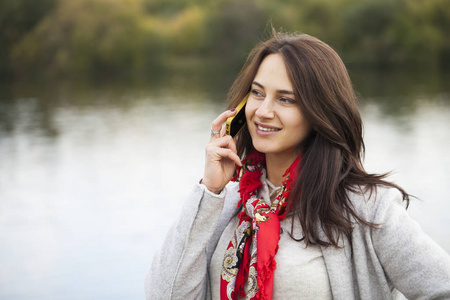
x=267, y=129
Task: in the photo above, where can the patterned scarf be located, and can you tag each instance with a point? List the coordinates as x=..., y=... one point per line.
x=249, y=262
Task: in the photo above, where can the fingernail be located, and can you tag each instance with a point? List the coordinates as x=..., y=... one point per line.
x=233, y=109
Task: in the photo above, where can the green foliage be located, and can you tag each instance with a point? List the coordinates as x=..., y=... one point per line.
x=17, y=18
x=95, y=38
x=423, y=32
x=234, y=26
x=167, y=8
x=368, y=28
x=79, y=38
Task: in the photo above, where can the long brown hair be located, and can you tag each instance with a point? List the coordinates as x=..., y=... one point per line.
x=331, y=164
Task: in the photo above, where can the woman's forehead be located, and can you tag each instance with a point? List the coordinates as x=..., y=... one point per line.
x=272, y=74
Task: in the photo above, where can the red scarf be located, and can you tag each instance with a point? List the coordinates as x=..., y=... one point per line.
x=249, y=262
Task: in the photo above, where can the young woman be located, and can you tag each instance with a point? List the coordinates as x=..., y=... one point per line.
x=300, y=218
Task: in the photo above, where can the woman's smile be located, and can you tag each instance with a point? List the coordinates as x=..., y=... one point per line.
x=266, y=129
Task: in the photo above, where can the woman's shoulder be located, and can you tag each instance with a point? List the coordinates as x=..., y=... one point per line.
x=373, y=203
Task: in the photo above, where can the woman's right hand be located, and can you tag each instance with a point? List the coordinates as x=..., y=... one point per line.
x=221, y=156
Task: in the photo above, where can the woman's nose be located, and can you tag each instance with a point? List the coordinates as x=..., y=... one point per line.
x=265, y=110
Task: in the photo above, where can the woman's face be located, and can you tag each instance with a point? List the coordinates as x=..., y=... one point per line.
x=274, y=120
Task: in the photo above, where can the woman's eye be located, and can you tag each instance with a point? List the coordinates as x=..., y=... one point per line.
x=256, y=93
x=287, y=100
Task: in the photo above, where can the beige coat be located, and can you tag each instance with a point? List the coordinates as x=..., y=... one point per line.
x=399, y=255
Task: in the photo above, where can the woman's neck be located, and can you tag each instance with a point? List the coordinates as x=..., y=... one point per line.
x=276, y=166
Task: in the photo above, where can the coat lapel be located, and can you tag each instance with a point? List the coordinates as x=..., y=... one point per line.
x=338, y=262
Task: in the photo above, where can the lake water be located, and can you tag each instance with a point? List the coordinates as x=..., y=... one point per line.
x=91, y=176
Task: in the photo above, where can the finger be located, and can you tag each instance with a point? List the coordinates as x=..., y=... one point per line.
x=228, y=153
x=232, y=144
x=225, y=141
x=216, y=146
x=216, y=125
x=214, y=133
x=222, y=131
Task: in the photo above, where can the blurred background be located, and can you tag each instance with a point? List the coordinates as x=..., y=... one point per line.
x=106, y=105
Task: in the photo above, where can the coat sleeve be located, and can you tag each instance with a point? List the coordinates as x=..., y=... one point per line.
x=179, y=268
x=412, y=261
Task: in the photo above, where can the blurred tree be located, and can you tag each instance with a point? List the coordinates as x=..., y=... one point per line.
x=89, y=38
x=165, y=9
x=368, y=35
x=323, y=18
x=422, y=33
x=234, y=26
x=132, y=37
x=320, y=18
x=18, y=17
x=186, y=31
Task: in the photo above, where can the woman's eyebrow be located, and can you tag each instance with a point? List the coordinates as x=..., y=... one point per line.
x=278, y=91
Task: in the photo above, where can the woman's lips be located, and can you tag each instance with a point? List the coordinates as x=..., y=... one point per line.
x=266, y=129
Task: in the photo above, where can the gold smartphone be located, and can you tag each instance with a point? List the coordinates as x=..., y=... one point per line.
x=235, y=123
